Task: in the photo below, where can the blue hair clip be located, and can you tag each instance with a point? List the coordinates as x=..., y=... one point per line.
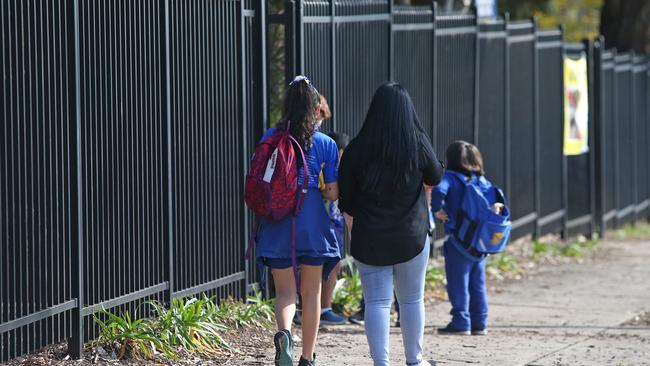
x=300, y=78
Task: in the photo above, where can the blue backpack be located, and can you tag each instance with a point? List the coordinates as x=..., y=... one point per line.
x=479, y=230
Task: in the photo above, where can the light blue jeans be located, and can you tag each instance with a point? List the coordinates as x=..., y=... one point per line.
x=408, y=279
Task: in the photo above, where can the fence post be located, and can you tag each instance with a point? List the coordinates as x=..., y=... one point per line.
x=647, y=121
x=506, y=104
x=617, y=192
x=243, y=139
x=391, y=41
x=589, y=47
x=76, y=342
x=168, y=117
x=565, y=179
x=300, y=39
x=477, y=82
x=434, y=88
x=536, y=138
x=289, y=40
x=332, y=100
x=599, y=143
x=635, y=180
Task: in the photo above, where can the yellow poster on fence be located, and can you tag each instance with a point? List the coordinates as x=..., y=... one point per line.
x=576, y=106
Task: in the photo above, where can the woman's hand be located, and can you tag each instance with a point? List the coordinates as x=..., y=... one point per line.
x=331, y=192
x=349, y=221
x=441, y=215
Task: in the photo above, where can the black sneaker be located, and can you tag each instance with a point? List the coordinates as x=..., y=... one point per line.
x=479, y=332
x=283, y=348
x=297, y=318
x=357, y=318
x=305, y=362
x=448, y=330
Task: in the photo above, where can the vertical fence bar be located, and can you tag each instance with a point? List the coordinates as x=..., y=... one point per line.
x=589, y=47
x=75, y=344
x=391, y=40
x=600, y=144
x=565, y=179
x=299, y=35
x=506, y=105
x=477, y=79
x=635, y=185
x=241, y=40
x=333, y=94
x=536, y=138
x=434, y=88
x=290, y=30
x=169, y=166
x=617, y=152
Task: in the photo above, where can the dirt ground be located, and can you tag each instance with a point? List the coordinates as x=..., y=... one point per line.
x=593, y=313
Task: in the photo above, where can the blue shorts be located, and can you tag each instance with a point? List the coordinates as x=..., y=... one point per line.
x=282, y=263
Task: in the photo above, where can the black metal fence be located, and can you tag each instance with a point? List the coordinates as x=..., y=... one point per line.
x=127, y=126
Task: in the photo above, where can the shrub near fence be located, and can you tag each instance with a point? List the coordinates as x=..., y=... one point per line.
x=127, y=128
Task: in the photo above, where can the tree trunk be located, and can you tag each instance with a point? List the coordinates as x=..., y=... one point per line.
x=626, y=25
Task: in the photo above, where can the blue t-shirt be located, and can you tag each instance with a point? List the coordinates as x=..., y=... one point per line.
x=322, y=153
x=448, y=194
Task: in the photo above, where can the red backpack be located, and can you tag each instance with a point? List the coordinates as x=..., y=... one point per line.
x=272, y=182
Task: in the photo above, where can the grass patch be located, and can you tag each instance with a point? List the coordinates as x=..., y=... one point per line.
x=573, y=249
x=192, y=325
x=503, y=262
x=638, y=231
x=129, y=337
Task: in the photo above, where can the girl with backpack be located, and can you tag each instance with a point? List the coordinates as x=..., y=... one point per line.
x=304, y=241
x=382, y=178
x=465, y=265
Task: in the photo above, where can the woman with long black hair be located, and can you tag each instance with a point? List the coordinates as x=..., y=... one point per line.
x=381, y=181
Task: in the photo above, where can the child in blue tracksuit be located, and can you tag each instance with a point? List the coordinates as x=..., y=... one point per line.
x=465, y=271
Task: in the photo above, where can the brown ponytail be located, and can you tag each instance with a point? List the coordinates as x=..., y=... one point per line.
x=300, y=103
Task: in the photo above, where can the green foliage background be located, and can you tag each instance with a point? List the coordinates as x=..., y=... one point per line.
x=581, y=18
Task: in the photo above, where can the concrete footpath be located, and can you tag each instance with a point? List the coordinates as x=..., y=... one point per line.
x=571, y=314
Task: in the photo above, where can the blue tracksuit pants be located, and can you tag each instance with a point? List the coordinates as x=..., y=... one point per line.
x=466, y=290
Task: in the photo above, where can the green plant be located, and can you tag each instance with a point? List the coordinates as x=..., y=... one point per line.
x=348, y=291
x=190, y=323
x=434, y=277
x=503, y=262
x=257, y=311
x=638, y=231
x=572, y=250
x=579, y=247
x=128, y=336
x=263, y=309
x=540, y=248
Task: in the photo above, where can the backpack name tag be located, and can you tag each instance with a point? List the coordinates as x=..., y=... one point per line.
x=270, y=167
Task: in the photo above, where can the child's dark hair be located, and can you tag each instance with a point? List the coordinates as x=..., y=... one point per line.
x=300, y=103
x=465, y=158
x=342, y=140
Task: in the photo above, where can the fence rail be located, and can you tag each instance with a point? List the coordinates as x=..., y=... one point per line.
x=127, y=126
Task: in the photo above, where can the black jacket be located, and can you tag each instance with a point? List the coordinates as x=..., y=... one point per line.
x=390, y=226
